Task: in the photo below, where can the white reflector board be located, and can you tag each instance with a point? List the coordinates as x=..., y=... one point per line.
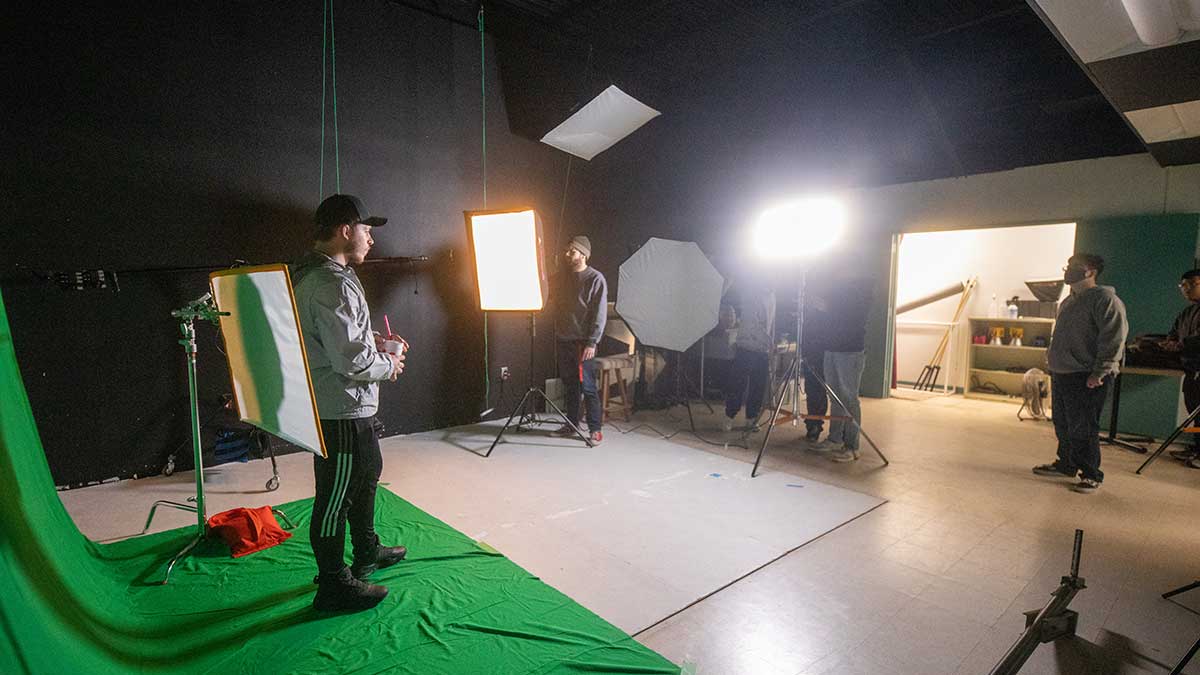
x=606, y=119
x=509, y=265
x=670, y=294
x=265, y=350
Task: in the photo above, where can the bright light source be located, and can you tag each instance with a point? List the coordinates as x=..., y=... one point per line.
x=799, y=229
x=509, y=266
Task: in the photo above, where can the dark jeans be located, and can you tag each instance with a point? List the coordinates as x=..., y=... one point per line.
x=1076, y=411
x=346, y=483
x=1191, y=399
x=814, y=391
x=569, y=368
x=747, y=381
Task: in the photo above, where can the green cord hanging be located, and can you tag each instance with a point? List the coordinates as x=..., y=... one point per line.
x=328, y=49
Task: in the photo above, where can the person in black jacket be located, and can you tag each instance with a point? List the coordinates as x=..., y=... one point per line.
x=1187, y=325
x=837, y=304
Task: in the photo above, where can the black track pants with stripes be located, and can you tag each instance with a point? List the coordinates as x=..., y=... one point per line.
x=346, y=483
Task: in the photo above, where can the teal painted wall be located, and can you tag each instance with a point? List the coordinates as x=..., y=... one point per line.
x=1143, y=258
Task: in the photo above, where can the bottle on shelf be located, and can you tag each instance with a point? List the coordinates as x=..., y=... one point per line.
x=1013, y=308
x=993, y=308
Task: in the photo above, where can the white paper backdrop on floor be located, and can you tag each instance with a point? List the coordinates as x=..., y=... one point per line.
x=634, y=529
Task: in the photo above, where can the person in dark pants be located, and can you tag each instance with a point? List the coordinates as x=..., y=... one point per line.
x=579, y=305
x=816, y=325
x=347, y=362
x=1187, y=325
x=1084, y=357
x=754, y=312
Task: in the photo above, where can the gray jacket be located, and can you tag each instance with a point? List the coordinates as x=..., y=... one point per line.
x=335, y=320
x=1089, y=333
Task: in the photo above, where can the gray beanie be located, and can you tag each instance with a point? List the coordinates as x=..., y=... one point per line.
x=583, y=244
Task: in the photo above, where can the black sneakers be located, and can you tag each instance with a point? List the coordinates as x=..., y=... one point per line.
x=341, y=592
x=385, y=556
x=1052, y=470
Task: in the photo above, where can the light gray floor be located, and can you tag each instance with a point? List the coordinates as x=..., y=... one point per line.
x=635, y=529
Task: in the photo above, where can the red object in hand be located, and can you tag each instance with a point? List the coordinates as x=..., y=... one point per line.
x=248, y=530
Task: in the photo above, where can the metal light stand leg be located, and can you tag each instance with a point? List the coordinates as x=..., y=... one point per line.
x=835, y=399
x=201, y=308
x=785, y=383
x=1052, y=622
x=525, y=406
x=1191, y=420
x=521, y=407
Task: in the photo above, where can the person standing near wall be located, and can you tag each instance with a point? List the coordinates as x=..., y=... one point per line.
x=1084, y=358
x=579, y=305
x=754, y=316
x=1187, y=325
x=347, y=363
x=841, y=302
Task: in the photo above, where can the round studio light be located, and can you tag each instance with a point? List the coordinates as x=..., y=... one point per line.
x=800, y=228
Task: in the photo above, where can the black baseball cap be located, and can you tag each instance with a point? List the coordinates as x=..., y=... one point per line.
x=342, y=209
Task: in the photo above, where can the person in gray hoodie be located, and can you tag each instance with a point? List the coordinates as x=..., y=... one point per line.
x=346, y=361
x=1084, y=358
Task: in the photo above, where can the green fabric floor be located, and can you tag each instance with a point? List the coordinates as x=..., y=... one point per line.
x=68, y=605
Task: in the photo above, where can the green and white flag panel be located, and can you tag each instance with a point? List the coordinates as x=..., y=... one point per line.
x=265, y=350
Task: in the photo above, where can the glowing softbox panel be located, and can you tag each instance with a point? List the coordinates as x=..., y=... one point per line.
x=669, y=294
x=265, y=350
x=606, y=119
x=510, y=268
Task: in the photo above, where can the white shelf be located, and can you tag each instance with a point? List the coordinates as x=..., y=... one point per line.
x=1014, y=348
x=1024, y=319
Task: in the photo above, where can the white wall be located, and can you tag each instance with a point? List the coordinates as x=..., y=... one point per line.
x=1050, y=193
x=1001, y=258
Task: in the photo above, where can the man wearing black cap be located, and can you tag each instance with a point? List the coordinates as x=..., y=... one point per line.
x=579, y=305
x=347, y=364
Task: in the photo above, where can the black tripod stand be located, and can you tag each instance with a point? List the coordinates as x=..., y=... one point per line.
x=1196, y=645
x=791, y=380
x=525, y=409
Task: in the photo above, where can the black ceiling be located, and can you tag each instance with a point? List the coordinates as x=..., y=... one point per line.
x=868, y=91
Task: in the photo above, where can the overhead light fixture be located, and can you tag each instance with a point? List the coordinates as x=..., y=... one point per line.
x=801, y=228
x=595, y=127
x=1160, y=22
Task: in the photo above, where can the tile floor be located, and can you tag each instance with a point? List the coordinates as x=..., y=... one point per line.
x=936, y=580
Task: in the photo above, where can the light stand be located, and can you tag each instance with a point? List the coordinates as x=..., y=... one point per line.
x=200, y=308
x=525, y=407
x=791, y=379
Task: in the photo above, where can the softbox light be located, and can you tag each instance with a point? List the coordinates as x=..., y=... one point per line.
x=669, y=294
x=510, y=267
x=265, y=350
x=595, y=127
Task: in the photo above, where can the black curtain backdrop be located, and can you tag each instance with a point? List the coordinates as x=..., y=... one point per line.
x=178, y=135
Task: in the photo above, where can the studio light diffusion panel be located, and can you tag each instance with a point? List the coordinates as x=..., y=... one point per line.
x=265, y=350
x=510, y=267
x=670, y=294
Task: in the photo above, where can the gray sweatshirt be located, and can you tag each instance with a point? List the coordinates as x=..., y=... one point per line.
x=579, y=304
x=336, y=323
x=1089, y=333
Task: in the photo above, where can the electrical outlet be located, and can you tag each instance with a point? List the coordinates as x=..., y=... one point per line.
x=504, y=374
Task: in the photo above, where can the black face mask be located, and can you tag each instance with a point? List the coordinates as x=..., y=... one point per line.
x=1074, y=275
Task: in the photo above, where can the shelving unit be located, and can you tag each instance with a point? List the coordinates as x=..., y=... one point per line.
x=1004, y=366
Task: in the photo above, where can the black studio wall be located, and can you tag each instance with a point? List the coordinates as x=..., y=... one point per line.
x=180, y=135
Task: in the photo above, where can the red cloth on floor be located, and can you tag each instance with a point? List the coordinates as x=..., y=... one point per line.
x=248, y=530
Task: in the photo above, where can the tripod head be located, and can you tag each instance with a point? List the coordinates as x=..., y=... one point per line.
x=202, y=307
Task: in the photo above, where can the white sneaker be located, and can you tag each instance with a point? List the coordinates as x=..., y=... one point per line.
x=844, y=455
x=727, y=425
x=823, y=446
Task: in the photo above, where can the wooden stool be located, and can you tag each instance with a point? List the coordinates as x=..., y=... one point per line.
x=612, y=373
